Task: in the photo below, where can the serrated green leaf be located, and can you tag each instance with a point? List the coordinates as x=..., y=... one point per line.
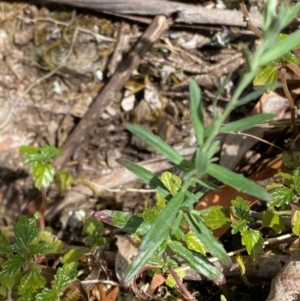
x=253, y=241
x=296, y=180
x=246, y=123
x=216, y=217
x=290, y=58
x=240, y=208
x=40, y=248
x=266, y=75
x=291, y=159
x=156, y=235
x=193, y=243
x=50, y=151
x=48, y=295
x=25, y=230
x=147, y=177
x=296, y=223
x=57, y=246
x=93, y=227
x=8, y=281
x=123, y=220
x=198, y=262
x=197, y=111
x=274, y=221
x=72, y=255
x=13, y=265
x=4, y=243
x=66, y=274
x=31, y=282
x=43, y=175
x=64, y=180
x=160, y=145
x=281, y=196
x=26, y=150
x=172, y=182
x=287, y=178
x=238, y=226
x=237, y=181
x=207, y=238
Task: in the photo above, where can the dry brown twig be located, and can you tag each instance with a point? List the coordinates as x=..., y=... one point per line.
x=159, y=25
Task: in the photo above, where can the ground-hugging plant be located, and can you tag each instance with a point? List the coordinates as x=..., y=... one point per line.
x=40, y=159
x=173, y=219
x=24, y=271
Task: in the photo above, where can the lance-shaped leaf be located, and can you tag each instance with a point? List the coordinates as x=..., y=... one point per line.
x=160, y=145
x=207, y=238
x=198, y=262
x=197, y=111
x=147, y=177
x=237, y=181
x=157, y=234
x=123, y=220
x=246, y=123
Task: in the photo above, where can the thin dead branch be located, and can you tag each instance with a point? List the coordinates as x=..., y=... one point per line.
x=159, y=25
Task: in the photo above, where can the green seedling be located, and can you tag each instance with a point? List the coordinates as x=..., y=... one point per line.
x=40, y=159
x=21, y=276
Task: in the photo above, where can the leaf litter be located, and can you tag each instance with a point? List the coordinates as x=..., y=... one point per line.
x=53, y=64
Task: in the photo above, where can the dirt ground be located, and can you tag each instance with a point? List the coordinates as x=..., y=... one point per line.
x=54, y=60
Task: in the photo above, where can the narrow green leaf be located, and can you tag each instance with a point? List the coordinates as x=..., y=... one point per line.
x=296, y=180
x=156, y=235
x=253, y=241
x=123, y=220
x=43, y=175
x=281, y=48
x=217, y=217
x=207, y=238
x=281, y=196
x=147, y=177
x=197, y=111
x=201, y=162
x=240, y=208
x=25, y=230
x=296, y=223
x=246, y=123
x=198, y=262
x=160, y=145
x=237, y=181
x=274, y=221
x=31, y=282
x=66, y=274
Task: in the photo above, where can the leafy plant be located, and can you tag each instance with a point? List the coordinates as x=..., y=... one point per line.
x=164, y=234
x=21, y=275
x=40, y=159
